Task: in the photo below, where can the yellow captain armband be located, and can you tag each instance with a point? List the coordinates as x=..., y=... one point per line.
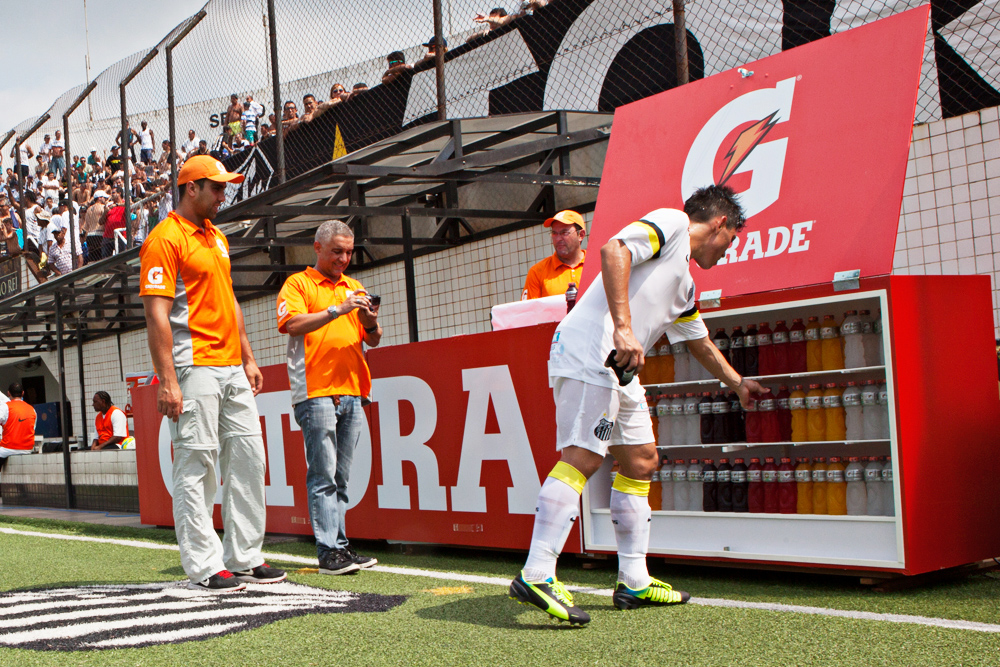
x=633, y=487
x=564, y=472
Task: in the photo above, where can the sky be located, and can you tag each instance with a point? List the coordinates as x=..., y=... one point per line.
x=43, y=45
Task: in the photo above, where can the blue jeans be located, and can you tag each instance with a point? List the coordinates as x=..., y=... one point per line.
x=331, y=433
x=58, y=166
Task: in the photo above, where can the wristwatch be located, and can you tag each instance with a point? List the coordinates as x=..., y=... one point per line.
x=333, y=312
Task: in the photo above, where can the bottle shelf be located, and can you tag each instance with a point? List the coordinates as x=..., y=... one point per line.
x=863, y=373
x=762, y=515
x=737, y=446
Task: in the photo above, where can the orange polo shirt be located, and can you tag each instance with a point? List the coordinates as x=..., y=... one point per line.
x=102, y=422
x=550, y=277
x=19, y=429
x=328, y=361
x=190, y=264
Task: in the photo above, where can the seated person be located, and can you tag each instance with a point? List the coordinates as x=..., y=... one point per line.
x=553, y=275
x=18, y=421
x=111, y=424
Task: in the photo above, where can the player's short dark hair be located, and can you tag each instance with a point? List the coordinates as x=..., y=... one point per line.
x=104, y=396
x=15, y=389
x=712, y=201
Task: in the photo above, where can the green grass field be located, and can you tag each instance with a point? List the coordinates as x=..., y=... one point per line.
x=446, y=622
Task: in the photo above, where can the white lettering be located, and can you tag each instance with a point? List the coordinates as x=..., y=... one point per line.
x=396, y=448
x=753, y=245
x=510, y=444
x=799, y=242
x=271, y=407
x=775, y=247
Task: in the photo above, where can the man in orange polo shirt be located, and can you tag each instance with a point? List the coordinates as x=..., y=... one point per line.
x=327, y=316
x=553, y=275
x=18, y=421
x=208, y=380
x=111, y=423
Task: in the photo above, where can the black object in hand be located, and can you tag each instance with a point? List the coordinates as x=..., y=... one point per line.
x=375, y=300
x=624, y=376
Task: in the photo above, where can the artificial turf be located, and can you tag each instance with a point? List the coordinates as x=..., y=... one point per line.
x=449, y=623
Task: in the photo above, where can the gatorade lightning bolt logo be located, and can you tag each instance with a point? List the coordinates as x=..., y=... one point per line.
x=747, y=140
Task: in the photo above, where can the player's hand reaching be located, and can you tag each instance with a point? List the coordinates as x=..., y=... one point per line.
x=628, y=351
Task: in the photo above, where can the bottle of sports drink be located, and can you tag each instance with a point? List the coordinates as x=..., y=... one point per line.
x=853, y=418
x=797, y=347
x=888, y=495
x=650, y=373
x=721, y=341
x=571, y=297
x=854, y=347
x=779, y=343
x=755, y=486
x=783, y=402
x=832, y=345
x=692, y=419
x=797, y=406
x=707, y=427
x=724, y=478
x=836, y=487
x=803, y=486
x=814, y=346
x=833, y=409
x=768, y=416
x=737, y=351
x=872, y=341
x=883, y=408
x=666, y=359
x=664, y=423
x=655, y=492
x=765, y=351
x=874, y=487
x=819, y=485
x=678, y=429
x=667, y=484
x=769, y=475
x=750, y=350
x=751, y=418
x=709, y=487
x=871, y=427
x=695, y=482
x=788, y=497
x=720, y=419
x=681, y=493
x=682, y=362
x=737, y=427
x=739, y=480
x=857, y=495
x=815, y=419
x=653, y=417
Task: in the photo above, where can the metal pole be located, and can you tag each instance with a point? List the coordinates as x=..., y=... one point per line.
x=17, y=161
x=410, y=279
x=680, y=43
x=83, y=392
x=439, y=60
x=171, y=111
x=276, y=86
x=63, y=405
x=124, y=152
x=74, y=241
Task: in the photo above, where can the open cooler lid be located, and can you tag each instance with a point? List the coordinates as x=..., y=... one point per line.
x=815, y=139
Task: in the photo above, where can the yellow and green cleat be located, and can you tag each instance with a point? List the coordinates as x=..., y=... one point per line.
x=658, y=593
x=550, y=596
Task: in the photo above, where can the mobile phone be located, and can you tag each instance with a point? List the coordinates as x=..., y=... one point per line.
x=375, y=300
x=624, y=376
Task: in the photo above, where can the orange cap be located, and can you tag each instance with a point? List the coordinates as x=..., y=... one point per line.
x=206, y=166
x=566, y=217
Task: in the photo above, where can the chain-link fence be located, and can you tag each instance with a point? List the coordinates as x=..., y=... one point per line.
x=278, y=87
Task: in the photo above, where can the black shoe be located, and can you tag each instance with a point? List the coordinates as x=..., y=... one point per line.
x=222, y=581
x=262, y=574
x=364, y=562
x=337, y=562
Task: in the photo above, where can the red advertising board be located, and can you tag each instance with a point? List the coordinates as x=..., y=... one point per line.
x=814, y=139
x=461, y=435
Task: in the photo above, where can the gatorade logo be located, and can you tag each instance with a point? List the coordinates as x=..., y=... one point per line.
x=282, y=308
x=222, y=247
x=154, y=278
x=758, y=110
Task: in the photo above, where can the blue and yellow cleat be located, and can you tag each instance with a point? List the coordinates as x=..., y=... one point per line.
x=550, y=596
x=658, y=593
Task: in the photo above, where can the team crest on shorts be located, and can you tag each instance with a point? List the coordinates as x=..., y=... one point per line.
x=603, y=430
x=86, y=618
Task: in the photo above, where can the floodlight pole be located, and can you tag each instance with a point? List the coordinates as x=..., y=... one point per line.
x=439, y=61
x=171, y=111
x=279, y=133
x=126, y=149
x=74, y=240
x=20, y=172
x=680, y=43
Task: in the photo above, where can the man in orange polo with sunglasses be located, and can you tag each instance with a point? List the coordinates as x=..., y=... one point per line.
x=208, y=380
x=553, y=275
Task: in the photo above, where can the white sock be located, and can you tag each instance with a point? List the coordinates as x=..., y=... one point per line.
x=558, y=507
x=631, y=515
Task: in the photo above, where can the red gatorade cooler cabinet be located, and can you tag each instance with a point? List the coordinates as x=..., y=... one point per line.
x=815, y=140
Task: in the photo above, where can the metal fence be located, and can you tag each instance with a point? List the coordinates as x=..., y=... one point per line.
x=277, y=87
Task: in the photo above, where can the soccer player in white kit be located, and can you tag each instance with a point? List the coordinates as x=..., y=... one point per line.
x=645, y=289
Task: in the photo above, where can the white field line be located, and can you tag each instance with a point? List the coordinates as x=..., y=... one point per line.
x=605, y=592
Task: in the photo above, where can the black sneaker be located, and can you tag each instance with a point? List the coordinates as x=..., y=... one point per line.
x=364, y=562
x=222, y=581
x=262, y=574
x=337, y=562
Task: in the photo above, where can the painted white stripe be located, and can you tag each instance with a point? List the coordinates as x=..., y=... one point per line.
x=101, y=613
x=185, y=634
x=604, y=592
x=56, y=602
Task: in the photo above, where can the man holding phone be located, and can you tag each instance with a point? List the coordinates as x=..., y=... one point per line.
x=327, y=315
x=644, y=290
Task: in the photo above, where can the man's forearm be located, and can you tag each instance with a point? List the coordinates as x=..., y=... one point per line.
x=616, y=268
x=708, y=355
